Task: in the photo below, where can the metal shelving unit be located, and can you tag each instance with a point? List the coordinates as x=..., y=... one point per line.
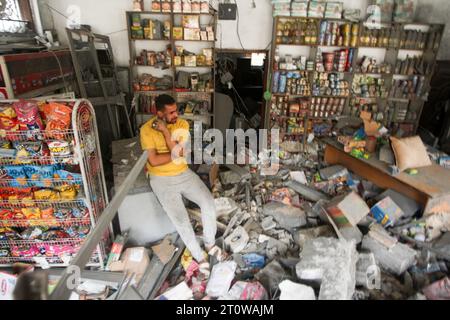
x=89, y=204
x=391, y=56
x=180, y=96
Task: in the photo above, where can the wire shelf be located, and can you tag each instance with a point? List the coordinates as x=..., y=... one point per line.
x=62, y=204
x=48, y=160
x=44, y=223
x=37, y=135
x=48, y=183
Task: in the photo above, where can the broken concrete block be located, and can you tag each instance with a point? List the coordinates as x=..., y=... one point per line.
x=229, y=177
x=351, y=234
x=386, y=212
x=307, y=192
x=299, y=176
x=271, y=276
x=287, y=216
x=225, y=206
x=237, y=240
x=396, y=260
x=275, y=248
x=268, y=223
x=333, y=172
x=378, y=233
x=302, y=236
x=295, y=291
x=367, y=271
x=347, y=210
x=331, y=263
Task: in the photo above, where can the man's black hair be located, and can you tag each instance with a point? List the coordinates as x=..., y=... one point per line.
x=162, y=101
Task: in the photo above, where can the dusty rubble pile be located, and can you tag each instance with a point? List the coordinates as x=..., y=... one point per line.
x=313, y=232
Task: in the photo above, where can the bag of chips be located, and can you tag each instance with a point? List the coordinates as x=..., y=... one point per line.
x=16, y=176
x=47, y=195
x=9, y=125
x=58, y=119
x=28, y=115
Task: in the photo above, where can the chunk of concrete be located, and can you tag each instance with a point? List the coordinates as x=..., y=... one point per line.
x=331, y=263
x=287, y=216
x=351, y=234
x=347, y=210
x=295, y=291
x=237, y=240
x=396, y=260
x=229, y=177
x=268, y=223
x=271, y=276
x=307, y=192
x=302, y=236
x=334, y=172
x=225, y=206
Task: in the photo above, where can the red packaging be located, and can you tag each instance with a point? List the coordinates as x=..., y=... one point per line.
x=28, y=115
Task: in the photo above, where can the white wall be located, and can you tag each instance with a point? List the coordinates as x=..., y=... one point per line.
x=255, y=25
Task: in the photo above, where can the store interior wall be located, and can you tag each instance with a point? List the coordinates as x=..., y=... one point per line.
x=255, y=24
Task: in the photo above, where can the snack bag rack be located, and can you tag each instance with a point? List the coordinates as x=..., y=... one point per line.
x=52, y=185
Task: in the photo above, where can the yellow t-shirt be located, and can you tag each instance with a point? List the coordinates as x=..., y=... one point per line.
x=153, y=139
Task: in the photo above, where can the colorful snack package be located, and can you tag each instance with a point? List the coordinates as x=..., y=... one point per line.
x=54, y=235
x=40, y=176
x=17, y=176
x=78, y=231
x=6, y=215
x=32, y=213
x=47, y=214
x=80, y=213
x=24, y=251
x=58, y=119
x=8, y=234
x=28, y=115
x=9, y=126
x=33, y=233
x=4, y=253
x=74, y=178
x=67, y=192
x=62, y=214
x=47, y=195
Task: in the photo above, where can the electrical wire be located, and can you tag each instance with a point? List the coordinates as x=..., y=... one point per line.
x=237, y=25
x=61, y=71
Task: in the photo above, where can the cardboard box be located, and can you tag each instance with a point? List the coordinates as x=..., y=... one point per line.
x=348, y=210
x=7, y=285
x=191, y=34
x=386, y=212
x=177, y=33
x=190, y=61
x=134, y=260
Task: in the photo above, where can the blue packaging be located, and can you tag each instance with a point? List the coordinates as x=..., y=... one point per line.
x=283, y=81
x=254, y=261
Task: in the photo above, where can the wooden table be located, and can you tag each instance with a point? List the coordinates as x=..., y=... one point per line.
x=430, y=187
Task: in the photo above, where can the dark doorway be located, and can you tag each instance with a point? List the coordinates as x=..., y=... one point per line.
x=242, y=75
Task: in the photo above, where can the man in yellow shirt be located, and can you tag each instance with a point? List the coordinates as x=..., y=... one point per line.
x=171, y=179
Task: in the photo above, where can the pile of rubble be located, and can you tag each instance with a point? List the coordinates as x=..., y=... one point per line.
x=318, y=232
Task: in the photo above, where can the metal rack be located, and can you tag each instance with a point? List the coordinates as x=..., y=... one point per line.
x=391, y=56
x=92, y=197
x=179, y=96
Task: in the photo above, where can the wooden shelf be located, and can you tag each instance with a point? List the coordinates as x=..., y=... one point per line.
x=166, y=40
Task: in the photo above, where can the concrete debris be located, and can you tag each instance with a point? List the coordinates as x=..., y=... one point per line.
x=351, y=234
x=295, y=291
x=229, y=177
x=397, y=259
x=237, y=240
x=302, y=236
x=268, y=223
x=225, y=206
x=347, y=210
x=287, y=216
x=307, y=192
x=377, y=232
x=271, y=276
x=332, y=264
x=333, y=172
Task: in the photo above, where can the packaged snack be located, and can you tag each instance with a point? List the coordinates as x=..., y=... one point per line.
x=17, y=176
x=40, y=176
x=32, y=213
x=46, y=195
x=47, y=214
x=33, y=233
x=6, y=215
x=18, y=215
x=56, y=250
x=23, y=195
x=74, y=178
x=63, y=214
x=79, y=213
x=78, y=231
x=54, y=235
x=28, y=115
x=8, y=234
x=9, y=126
x=58, y=119
x=4, y=253
x=59, y=148
x=24, y=251
x=67, y=192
